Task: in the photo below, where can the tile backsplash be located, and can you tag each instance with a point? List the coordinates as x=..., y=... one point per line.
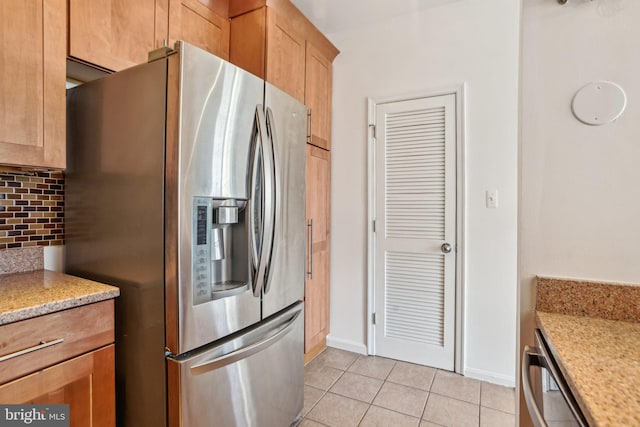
x=31, y=209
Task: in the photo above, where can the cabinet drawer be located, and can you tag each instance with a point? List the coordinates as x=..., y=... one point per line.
x=81, y=329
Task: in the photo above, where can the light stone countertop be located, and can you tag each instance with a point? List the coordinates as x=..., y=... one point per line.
x=26, y=295
x=600, y=359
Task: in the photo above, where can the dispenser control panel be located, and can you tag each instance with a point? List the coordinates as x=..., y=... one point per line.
x=201, y=250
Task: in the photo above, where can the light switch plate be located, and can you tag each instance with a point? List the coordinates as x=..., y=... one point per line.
x=492, y=199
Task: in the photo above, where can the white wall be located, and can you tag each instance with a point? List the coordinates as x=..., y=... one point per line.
x=580, y=195
x=472, y=41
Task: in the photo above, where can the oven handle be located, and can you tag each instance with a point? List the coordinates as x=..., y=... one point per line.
x=531, y=356
x=549, y=364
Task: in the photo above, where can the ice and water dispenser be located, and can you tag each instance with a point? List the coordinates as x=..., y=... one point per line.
x=220, y=248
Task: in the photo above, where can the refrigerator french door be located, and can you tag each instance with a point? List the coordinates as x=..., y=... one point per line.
x=185, y=188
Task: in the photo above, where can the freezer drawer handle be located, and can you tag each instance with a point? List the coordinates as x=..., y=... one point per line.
x=532, y=357
x=247, y=351
x=43, y=344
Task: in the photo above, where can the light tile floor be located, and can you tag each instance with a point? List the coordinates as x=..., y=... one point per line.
x=344, y=389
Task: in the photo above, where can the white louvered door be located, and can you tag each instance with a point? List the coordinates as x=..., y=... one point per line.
x=415, y=211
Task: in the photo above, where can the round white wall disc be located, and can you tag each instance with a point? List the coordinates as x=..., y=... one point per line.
x=599, y=103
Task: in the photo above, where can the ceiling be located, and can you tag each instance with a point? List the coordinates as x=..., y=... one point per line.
x=332, y=16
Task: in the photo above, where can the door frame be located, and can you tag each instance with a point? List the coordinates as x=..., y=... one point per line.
x=460, y=282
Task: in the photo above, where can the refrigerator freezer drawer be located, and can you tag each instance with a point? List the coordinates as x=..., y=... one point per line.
x=255, y=379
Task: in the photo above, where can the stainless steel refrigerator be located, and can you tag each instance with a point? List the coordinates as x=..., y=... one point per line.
x=185, y=187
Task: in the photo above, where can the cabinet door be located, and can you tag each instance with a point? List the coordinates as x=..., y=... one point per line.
x=317, y=278
x=113, y=34
x=86, y=383
x=285, y=56
x=317, y=96
x=198, y=24
x=32, y=86
x=248, y=41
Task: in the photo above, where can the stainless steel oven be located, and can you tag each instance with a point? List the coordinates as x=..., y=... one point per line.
x=551, y=403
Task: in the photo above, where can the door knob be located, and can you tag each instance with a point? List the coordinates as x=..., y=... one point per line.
x=445, y=248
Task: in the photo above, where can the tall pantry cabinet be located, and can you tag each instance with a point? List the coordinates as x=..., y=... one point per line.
x=273, y=40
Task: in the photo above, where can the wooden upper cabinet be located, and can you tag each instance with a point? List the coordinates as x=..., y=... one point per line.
x=248, y=41
x=317, y=96
x=113, y=34
x=275, y=41
x=201, y=23
x=265, y=44
x=32, y=82
x=285, y=56
x=118, y=34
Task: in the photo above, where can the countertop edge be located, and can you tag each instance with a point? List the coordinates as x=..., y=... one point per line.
x=55, y=306
x=26, y=295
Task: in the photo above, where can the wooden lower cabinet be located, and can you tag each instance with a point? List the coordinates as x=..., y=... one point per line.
x=318, y=206
x=86, y=383
x=69, y=359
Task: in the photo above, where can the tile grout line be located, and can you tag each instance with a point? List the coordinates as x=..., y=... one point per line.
x=480, y=405
x=424, y=408
x=363, y=415
x=376, y=395
x=324, y=392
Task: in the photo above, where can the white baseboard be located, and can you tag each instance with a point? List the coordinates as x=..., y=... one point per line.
x=490, y=377
x=347, y=345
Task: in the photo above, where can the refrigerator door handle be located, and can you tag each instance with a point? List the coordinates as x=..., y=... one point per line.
x=256, y=167
x=263, y=151
x=274, y=195
x=266, y=340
